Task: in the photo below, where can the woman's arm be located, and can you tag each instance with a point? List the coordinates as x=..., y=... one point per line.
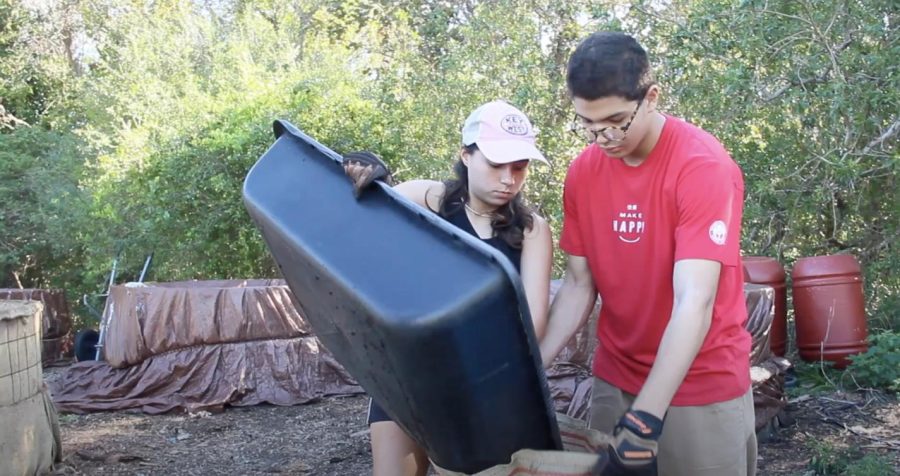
x=537, y=259
x=426, y=193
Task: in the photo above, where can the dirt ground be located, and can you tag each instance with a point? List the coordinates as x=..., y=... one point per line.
x=330, y=438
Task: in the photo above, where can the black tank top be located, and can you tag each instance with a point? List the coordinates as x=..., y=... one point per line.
x=459, y=218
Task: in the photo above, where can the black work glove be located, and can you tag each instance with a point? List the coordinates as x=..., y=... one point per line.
x=363, y=168
x=632, y=451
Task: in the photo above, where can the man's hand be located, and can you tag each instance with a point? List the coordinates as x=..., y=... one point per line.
x=363, y=168
x=632, y=452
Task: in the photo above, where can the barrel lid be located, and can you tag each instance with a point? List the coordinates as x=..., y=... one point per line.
x=763, y=269
x=825, y=266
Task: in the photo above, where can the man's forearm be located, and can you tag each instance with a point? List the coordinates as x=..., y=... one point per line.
x=680, y=344
x=570, y=309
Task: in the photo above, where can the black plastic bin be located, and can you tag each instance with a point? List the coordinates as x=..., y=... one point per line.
x=433, y=323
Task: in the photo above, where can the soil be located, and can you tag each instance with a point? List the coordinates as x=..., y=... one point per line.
x=330, y=437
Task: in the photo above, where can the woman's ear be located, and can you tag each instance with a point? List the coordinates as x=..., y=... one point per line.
x=464, y=157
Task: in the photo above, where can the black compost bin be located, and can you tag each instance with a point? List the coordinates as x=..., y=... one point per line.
x=432, y=322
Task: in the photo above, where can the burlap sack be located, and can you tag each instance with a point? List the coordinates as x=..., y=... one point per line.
x=29, y=429
x=30, y=440
x=581, y=446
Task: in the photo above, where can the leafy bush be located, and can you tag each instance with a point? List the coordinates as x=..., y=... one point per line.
x=142, y=135
x=879, y=367
x=828, y=460
x=43, y=207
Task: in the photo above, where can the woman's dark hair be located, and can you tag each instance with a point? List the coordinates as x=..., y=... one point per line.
x=609, y=64
x=509, y=222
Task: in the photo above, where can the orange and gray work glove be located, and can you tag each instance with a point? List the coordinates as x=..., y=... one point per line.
x=632, y=451
x=363, y=168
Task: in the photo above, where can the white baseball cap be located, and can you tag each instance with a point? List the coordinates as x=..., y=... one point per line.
x=502, y=133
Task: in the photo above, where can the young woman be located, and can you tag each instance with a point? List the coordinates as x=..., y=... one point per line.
x=485, y=200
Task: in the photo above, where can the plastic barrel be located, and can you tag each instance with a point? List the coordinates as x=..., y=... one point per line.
x=829, y=308
x=768, y=271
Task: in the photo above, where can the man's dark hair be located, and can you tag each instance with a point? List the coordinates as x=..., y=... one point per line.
x=609, y=64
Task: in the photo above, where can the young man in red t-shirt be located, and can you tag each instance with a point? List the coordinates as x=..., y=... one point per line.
x=652, y=221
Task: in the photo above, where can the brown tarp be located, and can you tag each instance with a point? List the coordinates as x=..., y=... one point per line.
x=202, y=345
x=198, y=345
x=569, y=377
x=768, y=389
x=288, y=371
x=767, y=370
x=168, y=340
x=150, y=319
x=760, y=312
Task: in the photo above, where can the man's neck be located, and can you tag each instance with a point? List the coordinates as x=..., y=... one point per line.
x=642, y=151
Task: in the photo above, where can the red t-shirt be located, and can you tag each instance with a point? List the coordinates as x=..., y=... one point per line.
x=684, y=201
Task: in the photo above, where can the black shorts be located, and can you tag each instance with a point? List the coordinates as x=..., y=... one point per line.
x=376, y=413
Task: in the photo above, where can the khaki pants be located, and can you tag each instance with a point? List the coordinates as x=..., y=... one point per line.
x=710, y=440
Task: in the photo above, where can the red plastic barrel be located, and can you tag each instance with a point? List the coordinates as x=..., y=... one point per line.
x=768, y=271
x=829, y=308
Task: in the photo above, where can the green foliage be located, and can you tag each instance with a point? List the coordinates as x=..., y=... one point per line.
x=43, y=208
x=37, y=63
x=147, y=115
x=804, y=94
x=399, y=92
x=817, y=378
x=879, y=367
x=828, y=460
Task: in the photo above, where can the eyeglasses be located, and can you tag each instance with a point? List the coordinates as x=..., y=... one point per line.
x=610, y=133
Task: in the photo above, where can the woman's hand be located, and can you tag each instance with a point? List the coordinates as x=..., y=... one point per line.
x=363, y=168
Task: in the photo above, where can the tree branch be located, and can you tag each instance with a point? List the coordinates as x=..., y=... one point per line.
x=9, y=121
x=18, y=281
x=802, y=82
x=887, y=134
